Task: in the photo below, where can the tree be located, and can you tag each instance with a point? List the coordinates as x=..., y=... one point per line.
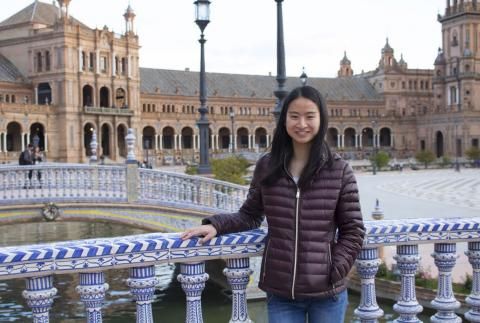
x=425, y=156
x=446, y=161
x=231, y=169
x=473, y=153
x=380, y=159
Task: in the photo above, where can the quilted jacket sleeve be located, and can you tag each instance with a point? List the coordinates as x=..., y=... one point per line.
x=250, y=215
x=351, y=231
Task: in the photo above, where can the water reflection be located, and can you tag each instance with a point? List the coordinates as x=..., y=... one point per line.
x=169, y=305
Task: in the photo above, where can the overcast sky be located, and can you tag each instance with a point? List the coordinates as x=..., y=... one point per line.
x=241, y=37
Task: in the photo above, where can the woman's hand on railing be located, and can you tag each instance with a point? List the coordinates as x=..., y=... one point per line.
x=207, y=231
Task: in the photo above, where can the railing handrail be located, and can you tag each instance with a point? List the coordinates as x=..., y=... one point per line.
x=155, y=248
x=128, y=251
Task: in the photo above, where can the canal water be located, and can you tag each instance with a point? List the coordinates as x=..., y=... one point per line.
x=169, y=305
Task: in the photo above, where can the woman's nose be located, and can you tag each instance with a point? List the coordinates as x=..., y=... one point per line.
x=302, y=122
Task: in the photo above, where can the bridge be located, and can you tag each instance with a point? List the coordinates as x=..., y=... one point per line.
x=63, y=187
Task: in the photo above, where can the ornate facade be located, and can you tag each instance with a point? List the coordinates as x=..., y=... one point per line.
x=60, y=81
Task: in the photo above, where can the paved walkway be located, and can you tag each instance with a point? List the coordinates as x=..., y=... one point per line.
x=422, y=193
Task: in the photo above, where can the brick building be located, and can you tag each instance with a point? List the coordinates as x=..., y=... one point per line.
x=60, y=81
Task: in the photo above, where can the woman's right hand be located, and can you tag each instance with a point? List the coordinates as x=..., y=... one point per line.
x=207, y=231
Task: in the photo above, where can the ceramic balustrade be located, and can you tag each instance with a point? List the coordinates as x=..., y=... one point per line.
x=186, y=191
x=140, y=253
x=62, y=183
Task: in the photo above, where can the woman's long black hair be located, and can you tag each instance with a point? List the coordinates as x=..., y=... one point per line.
x=282, y=149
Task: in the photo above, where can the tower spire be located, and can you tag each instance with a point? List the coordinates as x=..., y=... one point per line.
x=345, y=66
x=63, y=11
x=129, y=16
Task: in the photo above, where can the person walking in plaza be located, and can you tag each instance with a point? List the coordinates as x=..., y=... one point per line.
x=310, y=199
x=26, y=159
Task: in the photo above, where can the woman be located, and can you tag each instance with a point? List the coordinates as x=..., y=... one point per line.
x=311, y=203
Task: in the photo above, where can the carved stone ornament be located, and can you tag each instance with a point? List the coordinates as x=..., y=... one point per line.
x=50, y=211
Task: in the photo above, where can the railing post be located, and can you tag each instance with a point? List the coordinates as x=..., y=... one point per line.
x=445, y=303
x=92, y=290
x=193, y=277
x=367, y=266
x=407, y=305
x=39, y=296
x=473, y=300
x=142, y=284
x=238, y=275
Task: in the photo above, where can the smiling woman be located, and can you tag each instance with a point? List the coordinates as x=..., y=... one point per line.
x=309, y=198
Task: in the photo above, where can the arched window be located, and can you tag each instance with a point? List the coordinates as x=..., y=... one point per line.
x=120, y=98
x=104, y=97
x=47, y=61
x=44, y=93
x=87, y=96
x=39, y=62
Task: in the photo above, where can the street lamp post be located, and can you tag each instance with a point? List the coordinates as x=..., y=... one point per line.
x=280, y=92
x=303, y=77
x=457, y=164
x=232, y=118
x=202, y=18
x=374, y=157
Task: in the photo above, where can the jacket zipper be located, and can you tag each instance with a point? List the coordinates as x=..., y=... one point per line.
x=296, y=242
x=265, y=260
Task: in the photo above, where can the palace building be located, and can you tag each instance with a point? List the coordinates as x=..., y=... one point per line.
x=61, y=81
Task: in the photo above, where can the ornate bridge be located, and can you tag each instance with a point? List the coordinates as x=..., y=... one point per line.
x=129, y=185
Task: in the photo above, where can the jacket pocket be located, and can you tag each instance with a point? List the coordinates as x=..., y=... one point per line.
x=329, y=259
x=265, y=255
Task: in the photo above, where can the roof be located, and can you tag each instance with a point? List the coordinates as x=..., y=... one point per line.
x=172, y=82
x=37, y=12
x=9, y=73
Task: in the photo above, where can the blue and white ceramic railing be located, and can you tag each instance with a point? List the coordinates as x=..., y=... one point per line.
x=181, y=190
x=62, y=182
x=91, y=258
x=112, y=184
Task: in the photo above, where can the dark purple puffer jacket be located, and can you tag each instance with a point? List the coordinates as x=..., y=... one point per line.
x=314, y=236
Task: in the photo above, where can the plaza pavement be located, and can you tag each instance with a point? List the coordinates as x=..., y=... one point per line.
x=423, y=194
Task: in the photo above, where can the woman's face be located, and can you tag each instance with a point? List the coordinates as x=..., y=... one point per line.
x=303, y=120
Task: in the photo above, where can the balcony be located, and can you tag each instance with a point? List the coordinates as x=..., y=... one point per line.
x=108, y=111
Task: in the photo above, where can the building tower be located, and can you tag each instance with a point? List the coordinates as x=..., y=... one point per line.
x=455, y=86
x=63, y=10
x=129, y=17
x=387, y=60
x=345, y=66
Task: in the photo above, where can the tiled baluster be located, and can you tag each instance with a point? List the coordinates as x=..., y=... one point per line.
x=189, y=188
x=142, y=284
x=116, y=182
x=445, y=303
x=194, y=191
x=473, y=300
x=193, y=277
x=238, y=275
x=39, y=295
x=92, y=290
x=367, y=266
x=143, y=191
x=407, y=305
x=78, y=182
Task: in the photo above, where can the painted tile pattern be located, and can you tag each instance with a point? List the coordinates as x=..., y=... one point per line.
x=168, y=247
